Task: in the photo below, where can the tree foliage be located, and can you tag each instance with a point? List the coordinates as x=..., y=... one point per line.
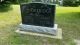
x=79, y=2
x=70, y=3
x=4, y=4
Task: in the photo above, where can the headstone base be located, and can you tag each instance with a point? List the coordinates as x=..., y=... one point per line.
x=54, y=32
x=57, y=36
x=39, y=29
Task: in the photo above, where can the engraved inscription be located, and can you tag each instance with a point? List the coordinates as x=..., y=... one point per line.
x=38, y=14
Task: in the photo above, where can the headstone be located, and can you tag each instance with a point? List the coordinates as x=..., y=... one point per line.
x=38, y=17
x=38, y=14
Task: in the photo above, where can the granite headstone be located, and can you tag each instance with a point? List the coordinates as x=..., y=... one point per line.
x=38, y=17
x=38, y=14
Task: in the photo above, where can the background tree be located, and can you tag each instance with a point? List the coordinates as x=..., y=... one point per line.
x=13, y=1
x=79, y=2
x=71, y=3
x=5, y=5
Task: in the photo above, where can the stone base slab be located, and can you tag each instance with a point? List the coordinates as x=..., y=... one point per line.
x=39, y=29
x=57, y=36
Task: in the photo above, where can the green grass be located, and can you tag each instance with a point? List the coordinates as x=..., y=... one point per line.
x=68, y=19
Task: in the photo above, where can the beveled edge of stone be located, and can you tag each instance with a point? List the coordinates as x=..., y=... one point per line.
x=57, y=36
x=39, y=29
x=55, y=26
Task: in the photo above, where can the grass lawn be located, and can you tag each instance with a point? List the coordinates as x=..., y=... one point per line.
x=68, y=19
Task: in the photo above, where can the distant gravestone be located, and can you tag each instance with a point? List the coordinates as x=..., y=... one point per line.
x=38, y=14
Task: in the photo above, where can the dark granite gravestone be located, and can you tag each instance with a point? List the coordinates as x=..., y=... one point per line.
x=38, y=18
x=38, y=14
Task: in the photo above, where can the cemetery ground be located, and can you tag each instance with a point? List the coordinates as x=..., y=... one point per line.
x=68, y=18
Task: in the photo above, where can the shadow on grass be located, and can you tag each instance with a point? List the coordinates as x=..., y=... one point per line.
x=5, y=9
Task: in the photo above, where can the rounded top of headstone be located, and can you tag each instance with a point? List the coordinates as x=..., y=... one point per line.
x=41, y=1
